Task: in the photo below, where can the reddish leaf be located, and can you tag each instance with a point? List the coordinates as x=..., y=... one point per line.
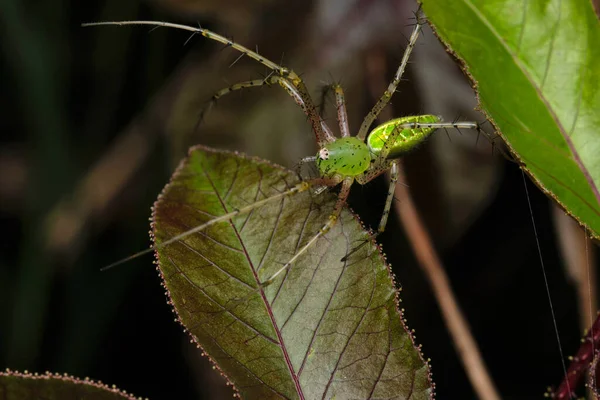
x=23, y=386
x=325, y=329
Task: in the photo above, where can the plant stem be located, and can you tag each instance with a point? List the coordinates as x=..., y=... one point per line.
x=455, y=320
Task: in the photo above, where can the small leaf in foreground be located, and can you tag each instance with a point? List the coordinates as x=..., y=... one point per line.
x=324, y=329
x=24, y=386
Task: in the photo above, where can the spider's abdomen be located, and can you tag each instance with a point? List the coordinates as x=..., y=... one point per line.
x=408, y=138
x=347, y=156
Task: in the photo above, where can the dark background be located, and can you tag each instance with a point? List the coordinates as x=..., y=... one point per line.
x=94, y=120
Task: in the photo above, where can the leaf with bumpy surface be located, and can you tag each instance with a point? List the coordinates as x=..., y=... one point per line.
x=25, y=386
x=323, y=329
x=535, y=65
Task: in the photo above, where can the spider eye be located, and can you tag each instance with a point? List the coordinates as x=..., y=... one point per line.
x=324, y=154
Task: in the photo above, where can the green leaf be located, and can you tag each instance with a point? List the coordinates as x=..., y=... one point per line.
x=324, y=329
x=536, y=64
x=24, y=386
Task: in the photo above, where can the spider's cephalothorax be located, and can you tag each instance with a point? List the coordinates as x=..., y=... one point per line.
x=342, y=160
x=345, y=157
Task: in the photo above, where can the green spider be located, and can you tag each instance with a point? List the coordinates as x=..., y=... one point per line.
x=343, y=160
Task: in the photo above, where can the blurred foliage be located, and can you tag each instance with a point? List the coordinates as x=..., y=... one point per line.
x=94, y=120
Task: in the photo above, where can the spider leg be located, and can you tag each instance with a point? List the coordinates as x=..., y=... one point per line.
x=394, y=171
x=340, y=102
x=282, y=71
x=342, y=115
x=465, y=125
x=298, y=188
x=492, y=139
x=289, y=80
x=268, y=81
x=318, y=125
x=380, y=162
x=391, y=89
x=332, y=220
x=302, y=98
x=391, y=140
x=325, y=90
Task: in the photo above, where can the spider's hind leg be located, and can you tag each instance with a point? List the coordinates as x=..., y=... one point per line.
x=477, y=127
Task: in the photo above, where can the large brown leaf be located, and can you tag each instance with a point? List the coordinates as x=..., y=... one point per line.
x=325, y=329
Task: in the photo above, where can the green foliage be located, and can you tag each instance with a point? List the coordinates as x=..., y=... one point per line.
x=534, y=64
x=325, y=328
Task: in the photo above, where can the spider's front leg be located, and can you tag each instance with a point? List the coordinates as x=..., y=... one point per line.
x=286, y=78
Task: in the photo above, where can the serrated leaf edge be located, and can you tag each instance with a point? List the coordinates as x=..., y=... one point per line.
x=68, y=378
x=194, y=340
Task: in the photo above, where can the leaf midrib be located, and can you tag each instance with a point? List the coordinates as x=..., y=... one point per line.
x=286, y=356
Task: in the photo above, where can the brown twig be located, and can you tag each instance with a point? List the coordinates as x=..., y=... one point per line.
x=577, y=254
x=455, y=321
x=464, y=342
